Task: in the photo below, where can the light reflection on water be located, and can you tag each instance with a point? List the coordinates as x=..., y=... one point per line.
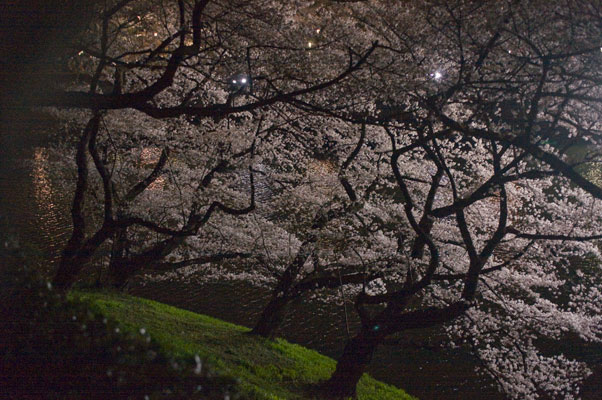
x=50, y=216
x=43, y=191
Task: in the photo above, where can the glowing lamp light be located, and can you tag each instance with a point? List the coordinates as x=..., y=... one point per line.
x=239, y=81
x=309, y=44
x=437, y=75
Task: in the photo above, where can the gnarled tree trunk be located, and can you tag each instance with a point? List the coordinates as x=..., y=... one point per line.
x=273, y=313
x=271, y=317
x=117, y=271
x=76, y=256
x=352, y=364
x=67, y=271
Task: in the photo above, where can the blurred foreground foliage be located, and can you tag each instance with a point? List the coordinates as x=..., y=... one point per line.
x=57, y=348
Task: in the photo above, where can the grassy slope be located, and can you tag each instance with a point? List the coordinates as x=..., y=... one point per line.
x=266, y=369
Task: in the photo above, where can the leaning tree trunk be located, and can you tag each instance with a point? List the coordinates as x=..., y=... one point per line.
x=118, y=272
x=271, y=316
x=351, y=365
x=74, y=258
x=67, y=272
x=118, y=268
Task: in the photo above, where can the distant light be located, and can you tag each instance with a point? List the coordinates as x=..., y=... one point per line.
x=234, y=81
x=155, y=34
x=309, y=44
x=318, y=30
x=437, y=75
x=80, y=53
x=244, y=80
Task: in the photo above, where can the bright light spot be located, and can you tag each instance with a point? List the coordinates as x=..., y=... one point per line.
x=155, y=34
x=80, y=53
x=234, y=81
x=244, y=80
x=309, y=44
x=318, y=30
x=437, y=75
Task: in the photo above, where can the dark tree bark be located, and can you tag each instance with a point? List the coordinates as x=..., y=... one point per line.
x=75, y=258
x=352, y=364
x=71, y=260
x=271, y=317
x=273, y=314
x=66, y=274
x=118, y=271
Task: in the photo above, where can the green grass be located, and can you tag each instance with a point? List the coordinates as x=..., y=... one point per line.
x=265, y=369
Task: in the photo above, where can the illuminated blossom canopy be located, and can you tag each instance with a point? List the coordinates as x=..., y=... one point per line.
x=438, y=159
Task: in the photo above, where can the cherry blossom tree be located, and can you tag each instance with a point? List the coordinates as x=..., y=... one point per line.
x=418, y=156
x=493, y=203
x=195, y=72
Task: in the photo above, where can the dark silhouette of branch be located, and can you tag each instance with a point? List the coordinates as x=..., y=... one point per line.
x=205, y=259
x=539, y=236
x=146, y=182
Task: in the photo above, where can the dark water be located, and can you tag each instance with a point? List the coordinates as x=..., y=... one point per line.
x=31, y=205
